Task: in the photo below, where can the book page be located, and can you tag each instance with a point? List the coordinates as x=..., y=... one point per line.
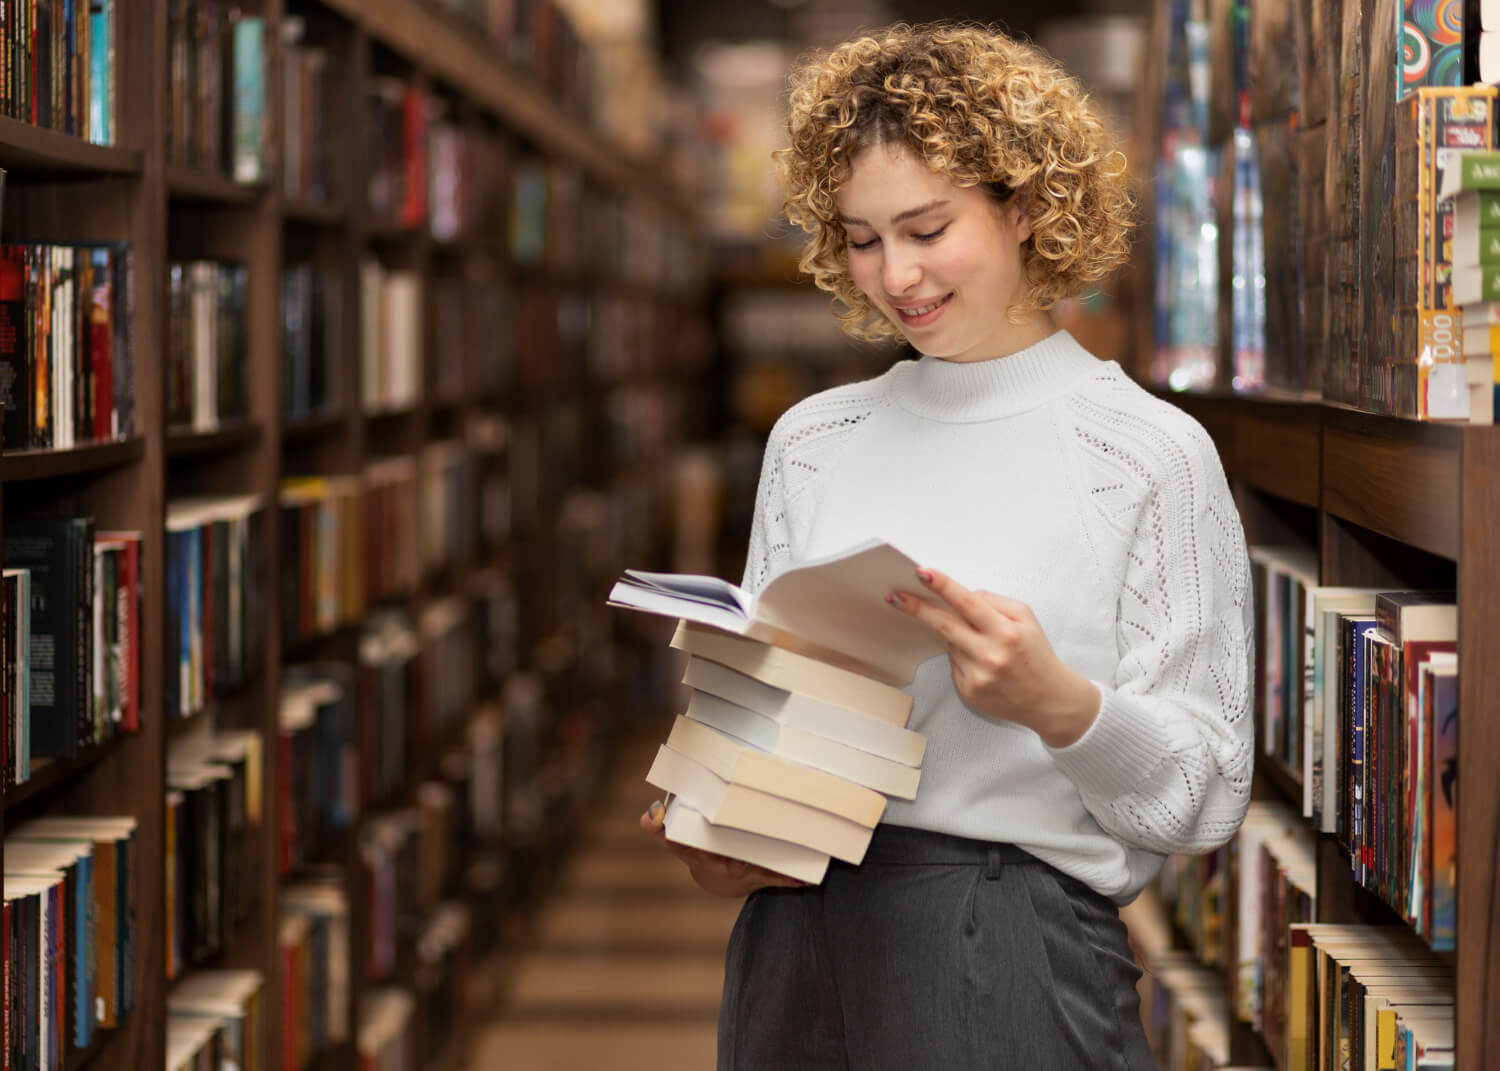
x=704, y=589
x=839, y=603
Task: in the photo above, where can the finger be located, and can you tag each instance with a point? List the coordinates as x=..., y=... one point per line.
x=1014, y=609
x=971, y=606
x=941, y=620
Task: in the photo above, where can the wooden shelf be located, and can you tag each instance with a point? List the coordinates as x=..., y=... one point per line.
x=196, y=184
x=321, y=213
x=48, y=773
x=314, y=427
x=392, y=234
x=1397, y=477
x=1394, y=477
x=238, y=435
x=28, y=151
x=392, y=416
x=89, y=459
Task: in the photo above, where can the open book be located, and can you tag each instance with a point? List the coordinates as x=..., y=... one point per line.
x=829, y=608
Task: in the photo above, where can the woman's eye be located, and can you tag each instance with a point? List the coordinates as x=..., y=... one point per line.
x=864, y=245
x=932, y=236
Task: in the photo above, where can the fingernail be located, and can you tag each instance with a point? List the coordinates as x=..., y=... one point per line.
x=924, y=575
x=654, y=809
x=894, y=598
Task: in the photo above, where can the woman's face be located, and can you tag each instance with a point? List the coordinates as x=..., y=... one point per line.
x=941, y=262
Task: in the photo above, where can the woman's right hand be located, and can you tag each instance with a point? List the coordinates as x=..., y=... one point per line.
x=715, y=874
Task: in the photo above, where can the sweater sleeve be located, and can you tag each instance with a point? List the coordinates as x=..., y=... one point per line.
x=1166, y=765
x=770, y=540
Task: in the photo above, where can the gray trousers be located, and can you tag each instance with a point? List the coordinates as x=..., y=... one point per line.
x=936, y=954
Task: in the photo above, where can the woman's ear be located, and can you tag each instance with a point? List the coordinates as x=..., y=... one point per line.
x=1021, y=206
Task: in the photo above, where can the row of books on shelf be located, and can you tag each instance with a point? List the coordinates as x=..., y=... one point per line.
x=215, y=591
x=68, y=936
x=1320, y=180
x=391, y=337
x=213, y=803
x=66, y=374
x=1246, y=914
x=1359, y=699
x=307, y=134
x=558, y=221
x=1362, y=997
x=65, y=358
x=311, y=334
x=70, y=653
x=216, y=88
x=351, y=736
x=207, y=344
x=71, y=599
x=218, y=1018
x=58, y=69
x=353, y=541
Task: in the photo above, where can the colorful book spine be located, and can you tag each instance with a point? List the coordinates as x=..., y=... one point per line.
x=248, y=138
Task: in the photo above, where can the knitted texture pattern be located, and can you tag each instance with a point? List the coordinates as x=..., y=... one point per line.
x=1050, y=477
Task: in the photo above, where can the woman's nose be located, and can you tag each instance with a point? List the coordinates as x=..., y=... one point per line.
x=900, y=273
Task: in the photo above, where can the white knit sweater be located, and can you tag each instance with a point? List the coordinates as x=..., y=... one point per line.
x=1050, y=477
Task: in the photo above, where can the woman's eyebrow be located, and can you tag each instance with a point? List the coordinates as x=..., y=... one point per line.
x=899, y=217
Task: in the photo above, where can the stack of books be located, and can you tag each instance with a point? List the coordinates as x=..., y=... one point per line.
x=1472, y=184
x=795, y=733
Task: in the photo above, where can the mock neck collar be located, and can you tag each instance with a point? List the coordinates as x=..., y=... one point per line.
x=963, y=391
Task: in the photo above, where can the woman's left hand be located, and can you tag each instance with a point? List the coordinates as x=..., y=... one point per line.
x=1003, y=665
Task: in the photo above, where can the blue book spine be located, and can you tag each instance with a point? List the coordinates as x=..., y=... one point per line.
x=83, y=947
x=249, y=99
x=101, y=73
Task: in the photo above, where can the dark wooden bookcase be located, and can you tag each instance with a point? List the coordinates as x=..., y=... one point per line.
x=62, y=189
x=1405, y=504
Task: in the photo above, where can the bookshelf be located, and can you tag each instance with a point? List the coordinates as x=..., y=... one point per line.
x=1383, y=501
x=550, y=491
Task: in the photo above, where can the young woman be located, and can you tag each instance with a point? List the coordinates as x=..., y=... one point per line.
x=1082, y=558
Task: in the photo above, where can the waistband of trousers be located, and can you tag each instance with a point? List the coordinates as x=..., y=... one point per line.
x=899, y=845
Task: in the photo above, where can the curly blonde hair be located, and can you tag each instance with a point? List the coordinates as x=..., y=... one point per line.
x=978, y=107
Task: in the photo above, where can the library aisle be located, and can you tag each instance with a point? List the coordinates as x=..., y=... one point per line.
x=627, y=958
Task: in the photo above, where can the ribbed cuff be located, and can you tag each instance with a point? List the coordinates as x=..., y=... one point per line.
x=1118, y=753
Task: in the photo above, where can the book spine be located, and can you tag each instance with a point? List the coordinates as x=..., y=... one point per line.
x=249, y=99
x=6, y=947
x=83, y=549
x=100, y=336
x=15, y=364
x=1478, y=171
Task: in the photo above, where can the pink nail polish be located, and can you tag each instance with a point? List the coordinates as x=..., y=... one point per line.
x=924, y=575
x=894, y=599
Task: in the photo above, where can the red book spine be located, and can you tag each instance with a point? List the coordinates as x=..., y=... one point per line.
x=101, y=332
x=414, y=114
